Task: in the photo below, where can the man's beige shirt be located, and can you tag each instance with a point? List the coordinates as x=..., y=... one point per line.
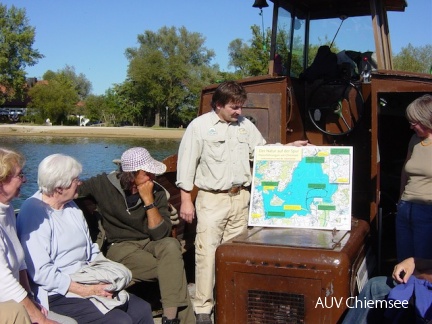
x=215, y=155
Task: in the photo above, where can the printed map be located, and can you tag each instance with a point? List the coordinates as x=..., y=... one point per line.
x=305, y=187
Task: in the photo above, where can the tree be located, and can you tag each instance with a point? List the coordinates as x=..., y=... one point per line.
x=78, y=81
x=16, y=52
x=238, y=53
x=414, y=59
x=53, y=99
x=95, y=107
x=251, y=60
x=129, y=104
x=57, y=96
x=105, y=108
x=168, y=69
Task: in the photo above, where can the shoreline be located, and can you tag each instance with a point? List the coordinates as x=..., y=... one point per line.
x=91, y=131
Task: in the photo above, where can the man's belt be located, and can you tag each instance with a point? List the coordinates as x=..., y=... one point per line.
x=233, y=191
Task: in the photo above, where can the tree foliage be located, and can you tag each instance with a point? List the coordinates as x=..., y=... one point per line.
x=58, y=95
x=53, y=100
x=129, y=107
x=79, y=81
x=95, y=108
x=250, y=60
x=67, y=75
x=168, y=69
x=16, y=52
x=414, y=59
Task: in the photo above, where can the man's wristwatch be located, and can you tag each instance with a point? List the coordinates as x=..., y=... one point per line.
x=152, y=205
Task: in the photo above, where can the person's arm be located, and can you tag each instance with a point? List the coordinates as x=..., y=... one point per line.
x=93, y=247
x=187, y=208
x=423, y=264
x=12, y=289
x=404, y=177
x=86, y=187
x=36, y=312
x=299, y=143
x=145, y=189
x=79, y=289
x=403, y=270
x=23, y=279
x=35, y=234
x=90, y=290
x=156, y=207
x=421, y=268
x=189, y=154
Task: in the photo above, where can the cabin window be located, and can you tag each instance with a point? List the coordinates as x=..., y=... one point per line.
x=349, y=37
x=289, y=27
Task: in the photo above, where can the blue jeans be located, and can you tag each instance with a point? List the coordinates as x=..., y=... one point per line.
x=413, y=230
x=376, y=288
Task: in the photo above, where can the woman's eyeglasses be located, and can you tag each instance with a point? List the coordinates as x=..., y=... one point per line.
x=20, y=175
x=76, y=180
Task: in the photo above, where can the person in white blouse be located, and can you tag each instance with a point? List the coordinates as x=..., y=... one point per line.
x=14, y=283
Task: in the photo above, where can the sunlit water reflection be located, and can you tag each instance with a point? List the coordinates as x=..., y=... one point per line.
x=95, y=154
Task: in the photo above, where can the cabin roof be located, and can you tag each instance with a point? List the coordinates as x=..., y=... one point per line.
x=320, y=9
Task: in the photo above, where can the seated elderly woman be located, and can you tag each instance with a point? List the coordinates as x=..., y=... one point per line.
x=70, y=274
x=16, y=302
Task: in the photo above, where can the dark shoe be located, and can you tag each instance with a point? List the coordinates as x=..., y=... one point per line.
x=170, y=321
x=203, y=319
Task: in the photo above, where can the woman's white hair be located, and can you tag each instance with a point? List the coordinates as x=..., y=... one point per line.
x=57, y=171
x=420, y=111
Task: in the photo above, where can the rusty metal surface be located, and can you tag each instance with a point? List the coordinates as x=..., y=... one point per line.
x=271, y=105
x=309, y=273
x=295, y=237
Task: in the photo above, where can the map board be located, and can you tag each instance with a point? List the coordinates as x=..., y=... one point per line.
x=304, y=187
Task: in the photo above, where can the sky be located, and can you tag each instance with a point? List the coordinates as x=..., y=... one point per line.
x=92, y=35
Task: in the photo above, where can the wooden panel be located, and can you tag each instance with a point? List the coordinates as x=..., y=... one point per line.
x=283, y=121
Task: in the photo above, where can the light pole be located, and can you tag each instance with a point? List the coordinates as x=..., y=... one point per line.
x=166, y=117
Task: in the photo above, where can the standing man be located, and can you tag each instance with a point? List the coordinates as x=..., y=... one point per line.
x=214, y=155
x=138, y=228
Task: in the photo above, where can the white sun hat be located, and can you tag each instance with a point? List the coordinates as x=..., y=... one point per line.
x=138, y=158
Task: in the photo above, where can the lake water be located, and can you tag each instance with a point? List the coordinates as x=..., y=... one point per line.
x=95, y=154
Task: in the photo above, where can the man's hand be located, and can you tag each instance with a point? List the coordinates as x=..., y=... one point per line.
x=187, y=208
x=187, y=211
x=299, y=143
